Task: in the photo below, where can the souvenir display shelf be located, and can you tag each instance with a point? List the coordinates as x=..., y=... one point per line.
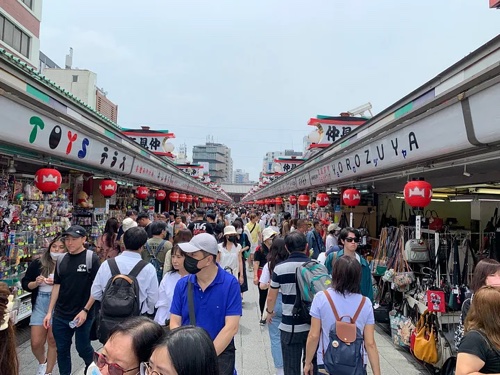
x=30, y=220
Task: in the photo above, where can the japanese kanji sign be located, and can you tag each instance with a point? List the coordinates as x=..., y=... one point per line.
x=152, y=140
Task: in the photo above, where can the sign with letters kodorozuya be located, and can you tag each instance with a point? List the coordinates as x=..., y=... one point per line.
x=152, y=140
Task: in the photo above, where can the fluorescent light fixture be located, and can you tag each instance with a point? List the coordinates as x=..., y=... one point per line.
x=461, y=199
x=437, y=200
x=487, y=191
x=439, y=195
x=488, y=200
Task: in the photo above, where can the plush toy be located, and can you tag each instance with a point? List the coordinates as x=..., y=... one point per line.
x=83, y=199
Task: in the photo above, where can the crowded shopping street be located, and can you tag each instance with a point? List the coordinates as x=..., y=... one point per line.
x=268, y=187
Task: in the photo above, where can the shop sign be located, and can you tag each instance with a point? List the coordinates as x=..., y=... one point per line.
x=303, y=181
x=441, y=133
x=331, y=130
x=34, y=131
x=155, y=141
x=428, y=138
x=320, y=176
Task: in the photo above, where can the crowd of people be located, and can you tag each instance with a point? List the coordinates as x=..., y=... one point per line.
x=188, y=272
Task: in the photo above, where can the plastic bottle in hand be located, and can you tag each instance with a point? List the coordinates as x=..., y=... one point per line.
x=73, y=323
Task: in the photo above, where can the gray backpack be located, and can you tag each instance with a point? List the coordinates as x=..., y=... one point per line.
x=311, y=277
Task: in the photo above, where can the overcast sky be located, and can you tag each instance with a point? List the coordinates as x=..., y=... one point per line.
x=252, y=73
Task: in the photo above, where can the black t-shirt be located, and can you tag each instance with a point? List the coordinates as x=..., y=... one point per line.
x=261, y=255
x=75, y=283
x=474, y=343
x=200, y=226
x=147, y=228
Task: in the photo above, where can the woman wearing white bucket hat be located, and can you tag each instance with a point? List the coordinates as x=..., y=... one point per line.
x=229, y=257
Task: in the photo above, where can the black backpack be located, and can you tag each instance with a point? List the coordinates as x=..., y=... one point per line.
x=344, y=354
x=120, y=299
x=154, y=259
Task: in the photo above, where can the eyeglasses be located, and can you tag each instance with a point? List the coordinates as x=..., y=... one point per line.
x=146, y=369
x=352, y=239
x=113, y=368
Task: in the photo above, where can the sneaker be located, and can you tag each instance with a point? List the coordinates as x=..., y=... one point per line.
x=262, y=322
x=41, y=368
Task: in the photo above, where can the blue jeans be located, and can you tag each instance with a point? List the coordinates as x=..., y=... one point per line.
x=275, y=335
x=63, y=335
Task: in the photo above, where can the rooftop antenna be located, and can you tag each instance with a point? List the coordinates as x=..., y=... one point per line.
x=69, y=59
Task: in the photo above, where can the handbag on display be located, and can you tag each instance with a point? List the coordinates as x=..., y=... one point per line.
x=435, y=222
x=381, y=312
x=403, y=276
x=401, y=326
x=426, y=347
x=416, y=251
x=379, y=262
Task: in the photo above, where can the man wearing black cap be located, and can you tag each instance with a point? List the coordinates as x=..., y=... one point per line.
x=71, y=301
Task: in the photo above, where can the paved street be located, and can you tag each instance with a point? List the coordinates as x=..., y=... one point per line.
x=253, y=354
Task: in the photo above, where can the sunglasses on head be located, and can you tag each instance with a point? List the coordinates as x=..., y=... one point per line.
x=113, y=368
x=352, y=239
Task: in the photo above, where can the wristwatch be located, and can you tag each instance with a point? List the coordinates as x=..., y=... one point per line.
x=269, y=312
x=86, y=310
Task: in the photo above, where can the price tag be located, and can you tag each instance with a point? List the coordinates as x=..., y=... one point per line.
x=418, y=227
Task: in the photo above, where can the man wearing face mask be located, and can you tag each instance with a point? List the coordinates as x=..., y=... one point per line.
x=214, y=295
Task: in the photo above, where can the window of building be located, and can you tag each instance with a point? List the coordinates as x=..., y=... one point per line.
x=28, y=3
x=14, y=36
x=75, y=78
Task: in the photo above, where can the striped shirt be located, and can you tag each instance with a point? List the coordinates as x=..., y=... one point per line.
x=284, y=279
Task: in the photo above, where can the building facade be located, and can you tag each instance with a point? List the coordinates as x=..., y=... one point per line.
x=83, y=84
x=268, y=163
x=20, y=29
x=241, y=177
x=218, y=157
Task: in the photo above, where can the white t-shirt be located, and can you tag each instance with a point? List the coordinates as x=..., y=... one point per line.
x=265, y=276
x=322, y=257
x=165, y=295
x=229, y=260
x=321, y=309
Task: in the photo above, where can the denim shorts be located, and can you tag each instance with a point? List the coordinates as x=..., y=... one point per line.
x=41, y=308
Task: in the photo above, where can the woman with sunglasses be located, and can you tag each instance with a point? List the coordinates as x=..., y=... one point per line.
x=130, y=343
x=186, y=350
x=349, y=240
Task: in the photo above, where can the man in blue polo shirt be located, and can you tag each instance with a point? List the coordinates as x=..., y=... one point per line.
x=216, y=298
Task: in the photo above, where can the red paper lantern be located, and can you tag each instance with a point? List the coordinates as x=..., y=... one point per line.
x=161, y=195
x=174, y=197
x=322, y=199
x=418, y=193
x=303, y=200
x=182, y=198
x=189, y=198
x=108, y=188
x=278, y=201
x=292, y=199
x=142, y=193
x=272, y=201
x=267, y=202
x=351, y=197
x=48, y=180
